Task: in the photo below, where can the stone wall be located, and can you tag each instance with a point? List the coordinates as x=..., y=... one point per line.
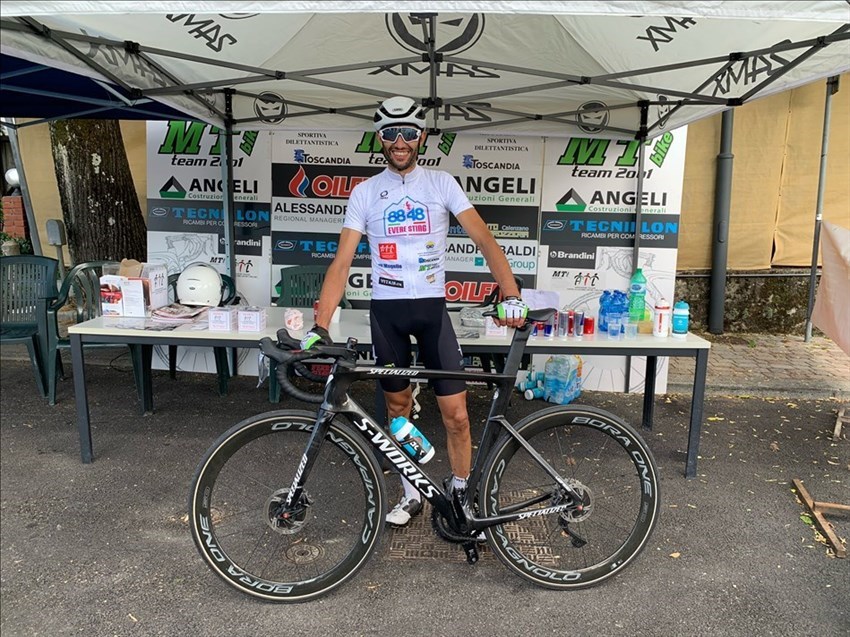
x=771, y=302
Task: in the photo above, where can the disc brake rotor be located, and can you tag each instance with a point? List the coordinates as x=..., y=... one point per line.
x=577, y=513
x=287, y=521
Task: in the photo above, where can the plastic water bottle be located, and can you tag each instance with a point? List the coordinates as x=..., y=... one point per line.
x=562, y=369
x=681, y=315
x=604, y=302
x=661, y=322
x=637, y=296
x=550, y=381
x=411, y=439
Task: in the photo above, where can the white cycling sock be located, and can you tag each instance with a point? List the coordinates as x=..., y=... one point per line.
x=458, y=483
x=410, y=491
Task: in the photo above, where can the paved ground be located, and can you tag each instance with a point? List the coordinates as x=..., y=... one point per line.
x=104, y=549
x=769, y=365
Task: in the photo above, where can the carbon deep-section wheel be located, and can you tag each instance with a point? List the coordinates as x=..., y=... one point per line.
x=246, y=535
x=605, y=527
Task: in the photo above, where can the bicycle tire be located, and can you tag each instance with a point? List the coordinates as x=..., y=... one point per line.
x=250, y=468
x=602, y=454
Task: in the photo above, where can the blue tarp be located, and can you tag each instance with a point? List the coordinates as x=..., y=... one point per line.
x=32, y=90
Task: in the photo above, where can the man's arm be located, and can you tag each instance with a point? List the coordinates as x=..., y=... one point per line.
x=496, y=260
x=334, y=286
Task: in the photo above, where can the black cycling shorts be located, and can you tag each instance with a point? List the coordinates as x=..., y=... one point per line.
x=394, y=321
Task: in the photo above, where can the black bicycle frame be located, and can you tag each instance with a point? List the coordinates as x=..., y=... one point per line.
x=337, y=401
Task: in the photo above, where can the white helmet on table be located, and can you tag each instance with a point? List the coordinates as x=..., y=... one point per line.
x=199, y=284
x=399, y=111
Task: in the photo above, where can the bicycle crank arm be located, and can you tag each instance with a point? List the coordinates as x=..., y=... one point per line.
x=471, y=552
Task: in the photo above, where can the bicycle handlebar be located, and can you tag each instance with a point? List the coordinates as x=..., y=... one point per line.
x=287, y=353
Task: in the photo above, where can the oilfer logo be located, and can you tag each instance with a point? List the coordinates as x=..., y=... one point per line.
x=323, y=185
x=571, y=202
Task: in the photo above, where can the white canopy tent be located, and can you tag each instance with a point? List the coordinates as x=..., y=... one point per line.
x=621, y=69
x=624, y=69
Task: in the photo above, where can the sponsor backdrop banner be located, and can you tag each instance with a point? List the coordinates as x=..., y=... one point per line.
x=313, y=174
x=562, y=211
x=186, y=213
x=588, y=228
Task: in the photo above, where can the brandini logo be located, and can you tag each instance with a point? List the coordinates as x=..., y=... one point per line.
x=172, y=189
x=571, y=202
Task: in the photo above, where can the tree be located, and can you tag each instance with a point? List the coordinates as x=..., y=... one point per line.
x=103, y=219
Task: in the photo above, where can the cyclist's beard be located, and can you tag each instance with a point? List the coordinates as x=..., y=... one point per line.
x=411, y=160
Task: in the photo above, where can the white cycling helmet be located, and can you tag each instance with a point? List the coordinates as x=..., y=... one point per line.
x=399, y=111
x=199, y=284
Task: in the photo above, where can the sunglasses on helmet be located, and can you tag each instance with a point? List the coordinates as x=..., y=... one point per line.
x=408, y=133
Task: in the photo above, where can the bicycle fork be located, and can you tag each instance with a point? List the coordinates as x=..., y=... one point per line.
x=291, y=509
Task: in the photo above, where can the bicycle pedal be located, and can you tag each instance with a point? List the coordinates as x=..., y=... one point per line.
x=471, y=552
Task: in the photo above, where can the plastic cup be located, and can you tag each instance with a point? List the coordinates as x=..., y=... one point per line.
x=631, y=330
x=615, y=326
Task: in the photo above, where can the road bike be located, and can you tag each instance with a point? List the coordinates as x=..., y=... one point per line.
x=288, y=505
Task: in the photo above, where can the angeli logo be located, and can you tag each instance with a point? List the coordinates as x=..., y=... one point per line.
x=172, y=189
x=571, y=202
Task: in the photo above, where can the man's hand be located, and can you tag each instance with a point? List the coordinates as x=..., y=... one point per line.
x=511, y=312
x=316, y=335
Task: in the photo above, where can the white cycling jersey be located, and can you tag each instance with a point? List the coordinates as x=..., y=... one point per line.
x=406, y=220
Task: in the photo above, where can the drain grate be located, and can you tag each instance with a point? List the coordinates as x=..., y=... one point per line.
x=418, y=541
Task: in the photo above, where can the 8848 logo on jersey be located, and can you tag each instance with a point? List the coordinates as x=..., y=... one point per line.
x=406, y=217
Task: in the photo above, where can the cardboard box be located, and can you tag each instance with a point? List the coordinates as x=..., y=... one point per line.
x=491, y=329
x=223, y=319
x=111, y=295
x=252, y=319
x=145, y=287
x=137, y=289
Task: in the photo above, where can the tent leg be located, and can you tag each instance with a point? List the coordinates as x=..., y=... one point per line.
x=720, y=245
x=831, y=89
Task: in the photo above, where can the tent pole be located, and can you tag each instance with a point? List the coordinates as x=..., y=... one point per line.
x=720, y=245
x=227, y=186
x=644, y=112
x=12, y=131
x=831, y=89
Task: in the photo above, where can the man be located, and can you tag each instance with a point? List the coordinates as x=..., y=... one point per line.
x=404, y=212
